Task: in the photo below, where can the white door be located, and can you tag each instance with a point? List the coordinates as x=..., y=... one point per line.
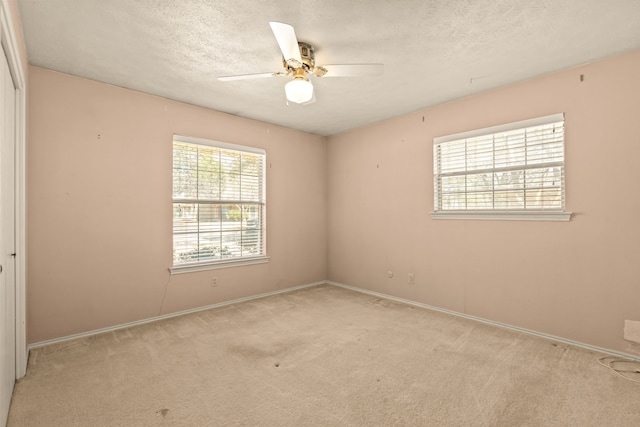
x=7, y=239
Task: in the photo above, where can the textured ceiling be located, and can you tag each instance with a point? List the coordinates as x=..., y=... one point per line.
x=434, y=51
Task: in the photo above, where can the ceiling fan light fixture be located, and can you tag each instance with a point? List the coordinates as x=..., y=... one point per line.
x=299, y=90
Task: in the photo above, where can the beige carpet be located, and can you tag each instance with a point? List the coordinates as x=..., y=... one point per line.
x=320, y=356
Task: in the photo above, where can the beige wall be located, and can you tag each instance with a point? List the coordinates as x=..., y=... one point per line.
x=99, y=206
x=578, y=280
x=99, y=209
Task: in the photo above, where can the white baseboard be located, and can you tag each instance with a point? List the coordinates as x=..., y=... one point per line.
x=341, y=285
x=167, y=316
x=491, y=322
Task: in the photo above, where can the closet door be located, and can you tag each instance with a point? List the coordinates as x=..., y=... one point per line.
x=7, y=239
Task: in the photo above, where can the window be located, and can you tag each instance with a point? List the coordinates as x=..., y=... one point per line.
x=218, y=204
x=514, y=171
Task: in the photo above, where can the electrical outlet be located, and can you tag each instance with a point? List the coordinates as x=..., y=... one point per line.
x=632, y=330
x=412, y=279
x=214, y=282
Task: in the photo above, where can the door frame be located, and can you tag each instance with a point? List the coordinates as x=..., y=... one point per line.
x=13, y=53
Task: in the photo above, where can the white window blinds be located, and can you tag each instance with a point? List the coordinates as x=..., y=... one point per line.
x=514, y=168
x=218, y=202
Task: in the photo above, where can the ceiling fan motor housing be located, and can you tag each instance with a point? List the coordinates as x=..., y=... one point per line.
x=308, y=55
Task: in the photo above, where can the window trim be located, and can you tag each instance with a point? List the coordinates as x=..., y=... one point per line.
x=212, y=265
x=218, y=144
x=504, y=215
x=501, y=128
x=228, y=262
x=530, y=215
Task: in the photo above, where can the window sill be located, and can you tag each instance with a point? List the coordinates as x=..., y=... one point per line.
x=504, y=215
x=188, y=268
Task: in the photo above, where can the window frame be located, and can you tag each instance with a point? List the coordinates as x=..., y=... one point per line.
x=499, y=214
x=231, y=261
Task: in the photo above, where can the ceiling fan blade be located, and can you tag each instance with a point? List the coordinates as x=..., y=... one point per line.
x=248, y=76
x=286, y=38
x=353, y=70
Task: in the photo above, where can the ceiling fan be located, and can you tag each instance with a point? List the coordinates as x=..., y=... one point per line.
x=298, y=59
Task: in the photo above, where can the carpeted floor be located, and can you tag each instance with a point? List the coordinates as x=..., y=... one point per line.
x=320, y=356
